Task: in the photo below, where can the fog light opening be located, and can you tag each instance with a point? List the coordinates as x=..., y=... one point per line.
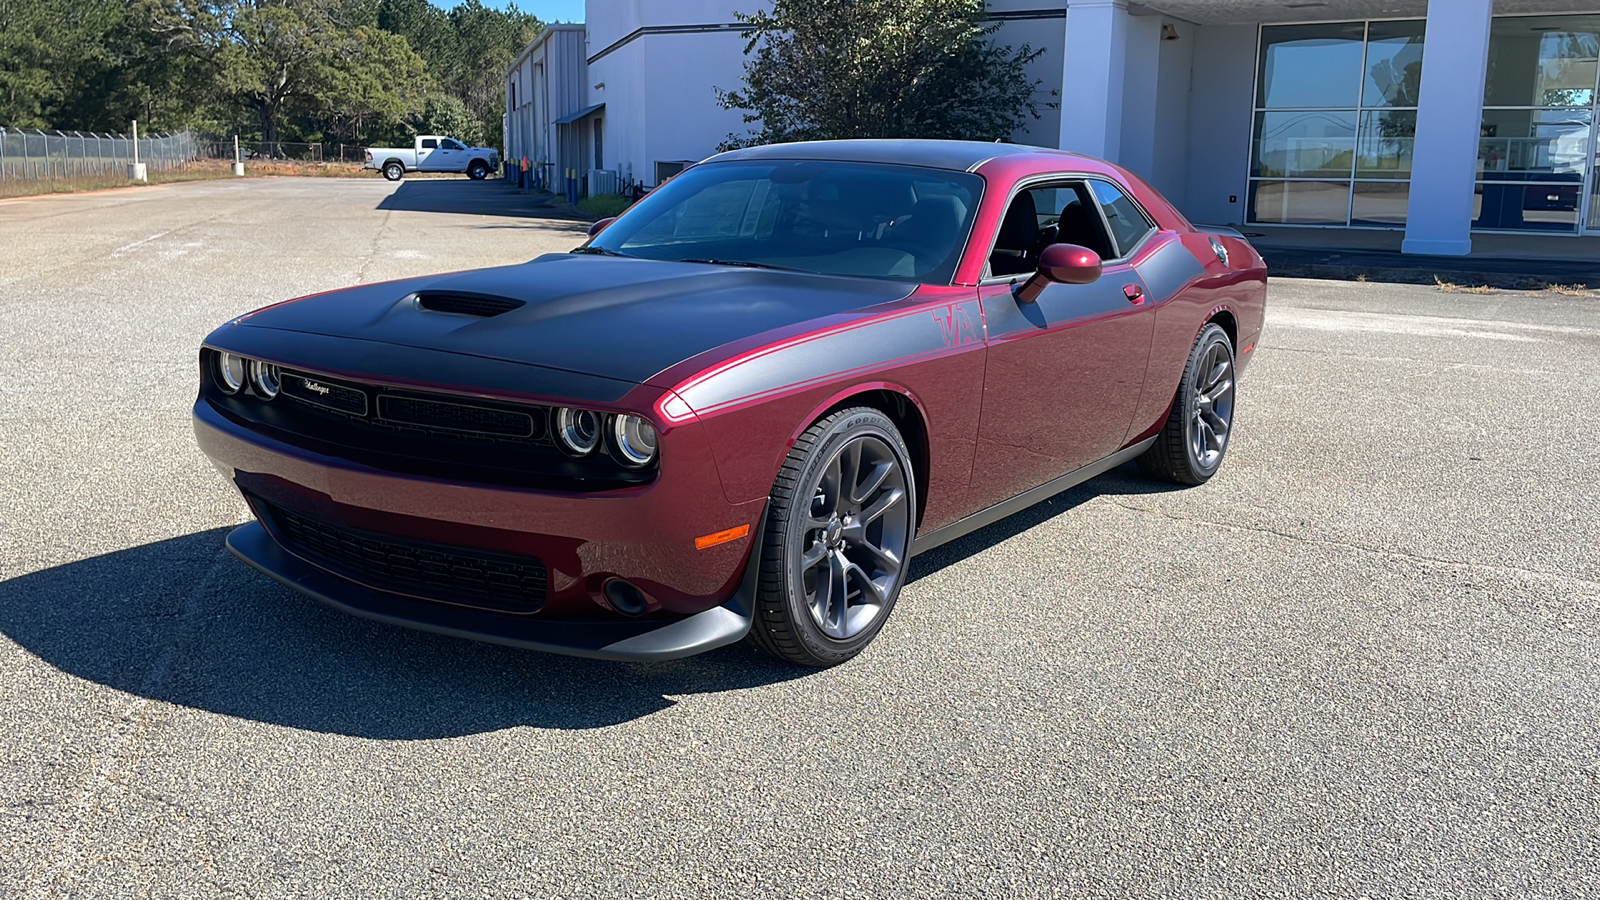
x=625, y=598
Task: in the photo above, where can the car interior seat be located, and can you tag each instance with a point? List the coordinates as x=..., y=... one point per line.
x=1080, y=225
x=1016, y=246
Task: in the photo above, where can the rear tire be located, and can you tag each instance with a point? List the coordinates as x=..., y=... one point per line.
x=840, y=521
x=393, y=171
x=478, y=170
x=1191, y=445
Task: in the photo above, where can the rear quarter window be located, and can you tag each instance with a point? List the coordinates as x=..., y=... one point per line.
x=1128, y=223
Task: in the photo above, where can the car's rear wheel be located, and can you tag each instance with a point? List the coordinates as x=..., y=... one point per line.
x=393, y=171
x=478, y=170
x=1191, y=445
x=838, y=540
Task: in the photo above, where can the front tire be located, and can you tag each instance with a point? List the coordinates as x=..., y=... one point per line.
x=393, y=171
x=1191, y=445
x=838, y=540
x=478, y=170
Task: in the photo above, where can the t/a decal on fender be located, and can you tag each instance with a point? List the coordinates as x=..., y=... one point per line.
x=956, y=321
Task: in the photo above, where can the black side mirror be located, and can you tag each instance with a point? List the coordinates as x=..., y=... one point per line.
x=1061, y=264
x=600, y=226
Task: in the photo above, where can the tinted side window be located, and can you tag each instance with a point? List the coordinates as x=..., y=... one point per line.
x=1041, y=216
x=452, y=145
x=1128, y=224
x=430, y=144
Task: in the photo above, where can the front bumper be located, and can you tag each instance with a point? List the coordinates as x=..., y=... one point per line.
x=699, y=599
x=633, y=640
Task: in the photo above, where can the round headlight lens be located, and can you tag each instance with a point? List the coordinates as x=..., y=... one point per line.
x=635, y=439
x=230, y=372
x=264, y=378
x=578, y=430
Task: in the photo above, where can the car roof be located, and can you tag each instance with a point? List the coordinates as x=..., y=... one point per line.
x=960, y=156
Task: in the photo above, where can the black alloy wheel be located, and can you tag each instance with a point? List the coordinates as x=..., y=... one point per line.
x=838, y=541
x=393, y=171
x=478, y=170
x=1191, y=445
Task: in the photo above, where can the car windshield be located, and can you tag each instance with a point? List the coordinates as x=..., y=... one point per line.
x=834, y=218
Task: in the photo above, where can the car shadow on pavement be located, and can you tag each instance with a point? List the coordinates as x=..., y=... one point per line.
x=1124, y=480
x=491, y=197
x=183, y=622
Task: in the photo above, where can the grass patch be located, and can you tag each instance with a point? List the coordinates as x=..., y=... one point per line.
x=604, y=206
x=1569, y=290
x=200, y=170
x=1450, y=287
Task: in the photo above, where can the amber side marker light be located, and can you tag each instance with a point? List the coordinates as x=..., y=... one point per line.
x=721, y=537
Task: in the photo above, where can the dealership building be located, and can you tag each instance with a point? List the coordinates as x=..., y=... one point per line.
x=1420, y=125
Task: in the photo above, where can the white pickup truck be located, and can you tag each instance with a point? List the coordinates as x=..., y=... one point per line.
x=433, y=153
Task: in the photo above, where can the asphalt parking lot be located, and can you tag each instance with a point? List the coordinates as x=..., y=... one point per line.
x=1361, y=661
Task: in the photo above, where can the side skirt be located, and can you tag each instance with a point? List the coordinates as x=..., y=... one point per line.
x=963, y=527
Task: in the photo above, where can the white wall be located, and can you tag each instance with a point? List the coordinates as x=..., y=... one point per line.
x=660, y=88
x=1047, y=33
x=1169, y=170
x=685, y=120
x=540, y=101
x=1220, y=110
x=1188, y=101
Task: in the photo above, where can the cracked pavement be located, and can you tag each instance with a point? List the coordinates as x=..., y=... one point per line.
x=1361, y=661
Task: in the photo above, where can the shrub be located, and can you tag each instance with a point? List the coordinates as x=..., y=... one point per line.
x=604, y=206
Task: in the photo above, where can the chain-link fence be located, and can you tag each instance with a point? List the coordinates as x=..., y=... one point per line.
x=286, y=151
x=28, y=154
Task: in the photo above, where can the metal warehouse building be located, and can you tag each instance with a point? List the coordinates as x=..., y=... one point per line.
x=1413, y=123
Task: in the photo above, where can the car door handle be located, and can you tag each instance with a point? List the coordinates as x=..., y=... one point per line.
x=1134, y=293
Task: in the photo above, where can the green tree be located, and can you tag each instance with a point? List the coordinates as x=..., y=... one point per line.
x=822, y=69
x=54, y=57
x=446, y=114
x=280, y=56
x=487, y=40
x=378, y=83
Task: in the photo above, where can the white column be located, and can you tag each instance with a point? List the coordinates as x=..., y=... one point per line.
x=1444, y=163
x=1141, y=86
x=1092, y=75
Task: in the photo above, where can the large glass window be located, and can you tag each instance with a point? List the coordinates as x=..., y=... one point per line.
x=1335, y=123
x=1536, y=147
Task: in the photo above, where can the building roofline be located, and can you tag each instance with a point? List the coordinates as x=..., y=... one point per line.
x=544, y=35
x=956, y=156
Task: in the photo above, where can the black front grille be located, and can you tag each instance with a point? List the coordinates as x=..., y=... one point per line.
x=452, y=416
x=431, y=571
x=383, y=409
x=467, y=304
x=324, y=392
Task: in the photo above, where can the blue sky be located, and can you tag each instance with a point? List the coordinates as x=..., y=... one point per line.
x=546, y=10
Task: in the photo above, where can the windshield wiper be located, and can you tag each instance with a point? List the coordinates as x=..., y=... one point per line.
x=599, y=251
x=740, y=263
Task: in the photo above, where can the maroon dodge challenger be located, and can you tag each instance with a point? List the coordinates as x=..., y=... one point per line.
x=740, y=408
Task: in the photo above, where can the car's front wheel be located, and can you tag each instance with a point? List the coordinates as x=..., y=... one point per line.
x=394, y=171
x=838, y=539
x=1190, y=447
x=478, y=170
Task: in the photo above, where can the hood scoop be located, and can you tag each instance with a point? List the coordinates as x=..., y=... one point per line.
x=483, y=305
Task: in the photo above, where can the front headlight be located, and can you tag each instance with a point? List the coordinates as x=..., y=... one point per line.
x=635, y=439
x=230, y=372
x=578, y=430
x=264, y=378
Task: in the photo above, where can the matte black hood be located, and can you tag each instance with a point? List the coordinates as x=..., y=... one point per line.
x=616, y=318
